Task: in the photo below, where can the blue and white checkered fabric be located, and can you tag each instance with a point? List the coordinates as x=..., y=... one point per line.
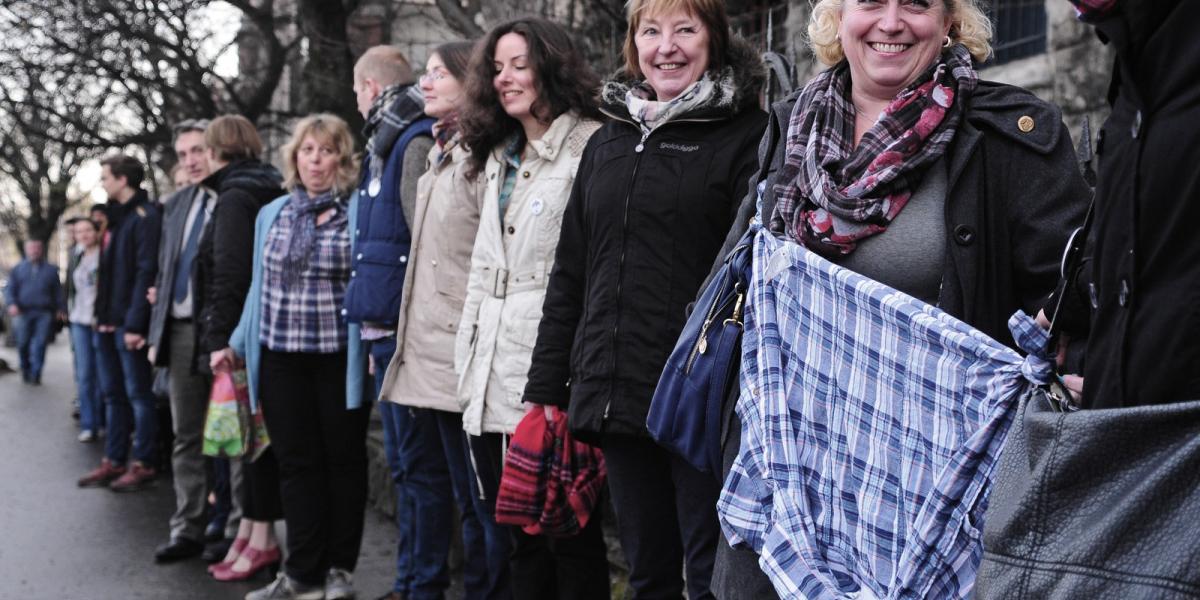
x=871, y=425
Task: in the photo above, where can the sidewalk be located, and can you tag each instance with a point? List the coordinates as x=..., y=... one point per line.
x=60, y=541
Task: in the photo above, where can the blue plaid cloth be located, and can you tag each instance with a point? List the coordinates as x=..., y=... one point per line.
x=306, y=316
x=871, y=425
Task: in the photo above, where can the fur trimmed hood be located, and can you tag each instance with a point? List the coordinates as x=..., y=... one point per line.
x=737, y=86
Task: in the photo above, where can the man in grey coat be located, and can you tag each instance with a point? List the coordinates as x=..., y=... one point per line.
x=172, y=341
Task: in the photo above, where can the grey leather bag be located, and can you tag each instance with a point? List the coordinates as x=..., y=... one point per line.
x=1095, y=504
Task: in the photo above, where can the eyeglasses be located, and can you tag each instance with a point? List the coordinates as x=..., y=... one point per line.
x=436, y=74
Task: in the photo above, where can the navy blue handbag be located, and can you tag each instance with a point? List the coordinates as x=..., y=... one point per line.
x=685, y=413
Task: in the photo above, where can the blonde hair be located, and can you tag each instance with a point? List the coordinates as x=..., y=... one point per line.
x=387, y=65
x=325, y=128
x=710, y=12
x=968, y=26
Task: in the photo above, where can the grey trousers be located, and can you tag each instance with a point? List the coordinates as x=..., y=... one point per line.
x=189, y=405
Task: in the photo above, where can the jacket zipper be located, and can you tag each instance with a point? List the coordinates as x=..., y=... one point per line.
x=641, y=146
x=637, y=161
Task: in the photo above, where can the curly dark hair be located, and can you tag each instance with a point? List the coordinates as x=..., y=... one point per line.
x=563, y=78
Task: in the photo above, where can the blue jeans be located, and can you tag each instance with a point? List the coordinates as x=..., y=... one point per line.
x=421, y=446
x=33, y=332
x=85, y=378
x=126, y=379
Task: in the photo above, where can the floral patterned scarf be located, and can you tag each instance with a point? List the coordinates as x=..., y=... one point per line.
x=832, y=194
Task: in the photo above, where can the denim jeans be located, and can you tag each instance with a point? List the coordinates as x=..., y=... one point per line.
x=126, y=380
x=33, y=333
x=85, y=378
x=474, y=539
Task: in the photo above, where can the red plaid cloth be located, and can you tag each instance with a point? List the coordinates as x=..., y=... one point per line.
x=550, y=482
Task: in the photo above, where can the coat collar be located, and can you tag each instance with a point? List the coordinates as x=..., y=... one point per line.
x=552, y=142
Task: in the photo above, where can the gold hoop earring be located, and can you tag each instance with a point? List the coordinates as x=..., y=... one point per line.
x=947, y=42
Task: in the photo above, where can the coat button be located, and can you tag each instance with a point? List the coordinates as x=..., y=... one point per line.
x=963, y=235
x=525, y=174
x=511, y=230
x=354, y=273
x=434, y=261
x=359, y=257
x=1136, y=128
x=343, y=312
x=1123, y=295
x=403, y=259
x=1025, y=124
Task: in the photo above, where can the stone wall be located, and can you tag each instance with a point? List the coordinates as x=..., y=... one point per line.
x=1073, y=73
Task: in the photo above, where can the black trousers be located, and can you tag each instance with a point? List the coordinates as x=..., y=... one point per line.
x=260, y=487
x=322, y=454
x=542, y=567
x=666, y=517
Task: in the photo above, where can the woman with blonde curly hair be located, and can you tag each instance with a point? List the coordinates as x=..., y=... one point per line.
x=899, y=163
x=306, y=366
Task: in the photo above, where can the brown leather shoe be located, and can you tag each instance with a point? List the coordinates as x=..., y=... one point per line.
x=101, y=475
x=137, y=477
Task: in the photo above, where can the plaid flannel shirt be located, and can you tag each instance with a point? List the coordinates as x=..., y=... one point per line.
x=306, y=317
x=872, y=423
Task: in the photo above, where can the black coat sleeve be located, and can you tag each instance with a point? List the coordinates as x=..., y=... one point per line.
x=550, y=367
x=233, y=250
x=145, y=262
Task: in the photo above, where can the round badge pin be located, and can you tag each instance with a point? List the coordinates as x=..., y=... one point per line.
x=536, y=206
x=373, y=189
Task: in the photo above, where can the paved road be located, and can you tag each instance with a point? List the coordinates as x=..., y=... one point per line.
x=59, y=541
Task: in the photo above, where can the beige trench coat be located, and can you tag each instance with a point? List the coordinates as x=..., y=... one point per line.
x=421, y=372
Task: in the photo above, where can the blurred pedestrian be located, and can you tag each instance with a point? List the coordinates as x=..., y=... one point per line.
x=35, y=299
x=128, y=266
x=83, y=277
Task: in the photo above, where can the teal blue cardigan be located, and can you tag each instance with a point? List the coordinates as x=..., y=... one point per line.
x=245, y=338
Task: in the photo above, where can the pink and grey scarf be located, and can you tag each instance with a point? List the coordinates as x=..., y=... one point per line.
x=832, y=194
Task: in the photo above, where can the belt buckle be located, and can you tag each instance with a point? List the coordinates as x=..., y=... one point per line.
x=500, y=283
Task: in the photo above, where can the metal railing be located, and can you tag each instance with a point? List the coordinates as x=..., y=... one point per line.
x=1020, y=29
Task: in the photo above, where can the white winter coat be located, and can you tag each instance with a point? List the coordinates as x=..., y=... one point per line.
x=510, y=268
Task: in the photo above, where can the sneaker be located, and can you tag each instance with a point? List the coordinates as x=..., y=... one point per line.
x=86, y=436
x=137, y=477
x=286, y=588
x=101, y=475
x=339, y=585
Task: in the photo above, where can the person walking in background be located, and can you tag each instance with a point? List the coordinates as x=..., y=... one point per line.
x=83, y=276
x=306, y=366
x=172, y=344
x=656, y=193
x=35, y=298
x=530, y=110
x=242, y=184
x=127, y=270
x=399, y=137
x=420, y=378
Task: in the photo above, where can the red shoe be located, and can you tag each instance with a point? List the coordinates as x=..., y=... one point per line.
x=101, y=475
x=239, y=544
x=259, y=559
x=137, y=477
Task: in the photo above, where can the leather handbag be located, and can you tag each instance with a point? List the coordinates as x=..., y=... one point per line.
x=1095, y=504
x=685, y=413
